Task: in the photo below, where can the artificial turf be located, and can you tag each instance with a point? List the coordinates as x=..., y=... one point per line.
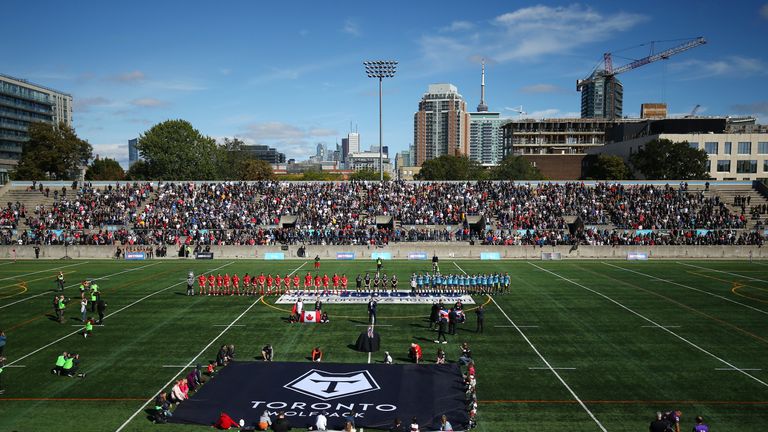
x=575, y=345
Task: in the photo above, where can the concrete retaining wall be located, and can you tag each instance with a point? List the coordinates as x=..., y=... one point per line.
x=401, y=251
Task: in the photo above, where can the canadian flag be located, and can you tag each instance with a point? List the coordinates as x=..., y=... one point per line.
x=310, y=316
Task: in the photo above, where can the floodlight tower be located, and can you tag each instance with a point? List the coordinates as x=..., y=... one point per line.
x=380, y=69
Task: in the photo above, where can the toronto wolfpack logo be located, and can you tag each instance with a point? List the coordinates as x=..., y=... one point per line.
x=328, y=386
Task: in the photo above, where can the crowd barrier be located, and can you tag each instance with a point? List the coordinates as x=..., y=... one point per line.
x=446, y=252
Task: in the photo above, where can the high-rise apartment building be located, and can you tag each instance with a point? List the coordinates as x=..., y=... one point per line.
x=22, y=103
x=441, y=125
x=133, y=151
x=602, y=97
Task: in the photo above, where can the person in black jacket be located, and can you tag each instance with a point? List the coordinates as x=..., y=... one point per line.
x=101, y=306
x=281, y=424
x=480, y=312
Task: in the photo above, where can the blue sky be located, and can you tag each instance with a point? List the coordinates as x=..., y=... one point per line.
x=290, y=74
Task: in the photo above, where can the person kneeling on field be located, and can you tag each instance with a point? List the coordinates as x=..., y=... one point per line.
x=414, y=353
x=267, y=353
x=225, y=422
x=317, y=355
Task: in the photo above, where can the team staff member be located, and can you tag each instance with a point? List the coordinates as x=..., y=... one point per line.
x=190, y=284
x=372, y=306
x=480, y=312
x=101, y=306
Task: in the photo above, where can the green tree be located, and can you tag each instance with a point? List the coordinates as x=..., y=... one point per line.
x=105, y=169
x=368, y=174
x=451, y=168
x=608, y=167
x=667, y=160
x=254, y=169
x=174, y=150
x=515, y=168
x=138, y=171
x=53, y=151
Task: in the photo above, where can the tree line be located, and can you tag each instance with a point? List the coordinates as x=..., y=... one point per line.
x=175, y=150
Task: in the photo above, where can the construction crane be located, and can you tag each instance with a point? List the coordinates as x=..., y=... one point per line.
x=517, y=110
x=693, y=111
x=608, y=73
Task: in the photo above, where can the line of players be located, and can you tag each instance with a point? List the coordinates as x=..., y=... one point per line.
x=483, y=283
x=270, y=285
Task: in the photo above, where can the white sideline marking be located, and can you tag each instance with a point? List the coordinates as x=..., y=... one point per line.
x=42, y=271
x=6, y=263
x=555, y=368
x=141, y=408
x=660, y=326
x=739, y=370
x=15, y=366
x=721, y=271
x=725, y=362
x=690, y=288
x=73, y=285
x=549, y=366
x=105, y=316
x=228, y=325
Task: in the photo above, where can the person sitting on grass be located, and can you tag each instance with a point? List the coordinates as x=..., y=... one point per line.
x=387, y=358
x=466, y=354
x=414, y=353
x=264, y=421
x=317, y=355
x=324, y=318
x=177, y=393
x=267, y=353
x=225, y=422
x=162, y=409
x=440, y=356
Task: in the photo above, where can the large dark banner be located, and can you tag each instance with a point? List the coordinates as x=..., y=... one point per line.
x=377, y=393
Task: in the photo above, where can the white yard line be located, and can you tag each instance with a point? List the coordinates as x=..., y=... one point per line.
x=739, y=370
x=105, y=316
x=660, y=326
x=639, y=315
x=43, y=271
x=73, y=285
x=194, y=359
x=228, y=325
x=549, y=366
x=555, y=368
x=689, y=287
x=721, y=271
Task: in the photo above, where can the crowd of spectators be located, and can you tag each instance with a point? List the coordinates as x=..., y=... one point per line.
x=344, y=213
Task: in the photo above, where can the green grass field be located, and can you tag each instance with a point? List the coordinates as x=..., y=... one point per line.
x=576, y=345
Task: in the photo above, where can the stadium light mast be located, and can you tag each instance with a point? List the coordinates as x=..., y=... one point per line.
x=380, y=69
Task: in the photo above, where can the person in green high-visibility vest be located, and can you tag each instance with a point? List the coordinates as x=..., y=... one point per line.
x=94, y=295
x=71, y=366
x=88, y=329
x=62, y=305
x=60, y=360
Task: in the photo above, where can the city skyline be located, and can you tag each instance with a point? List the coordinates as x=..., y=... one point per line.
x=272, y=76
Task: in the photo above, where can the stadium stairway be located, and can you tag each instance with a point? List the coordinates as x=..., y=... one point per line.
x=728, y=194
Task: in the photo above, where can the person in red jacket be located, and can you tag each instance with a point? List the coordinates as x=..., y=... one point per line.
x=270, y=282
x=278, y=283
x=246, y=283
x=336, y=279
x=211, y=284
x=307, y=281
x=219, y=284
x=344, y=281
x=414, y=353
x=235, y=284
x=225, y=422
x=227, y=282
x=296, y=280
x=326, y=280
x=201, y=280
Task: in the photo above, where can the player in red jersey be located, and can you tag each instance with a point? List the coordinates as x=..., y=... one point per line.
x=296, y=280
x=326, y=281
x=270, y=281
x=211, y=284
x=287, y=282
x=246, y=283
x=201, y=280
x=227, y=282
x=235, y=284
x=318, y=282
x=335, y=279
x=307, y=282
x=278, y=283
x=344, y=281
x=262, y=281
x=219, y=284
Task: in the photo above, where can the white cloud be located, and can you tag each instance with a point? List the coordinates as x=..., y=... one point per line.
x=149, y=103
x=82, y=105
x=459, y=26
x=133, y=76
x=118, y=152
x=351, y=27
x=549, y=113
x=729, y=66
x=531, y=33
x=541, y=88
x=760, y=107
x=296, y=142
